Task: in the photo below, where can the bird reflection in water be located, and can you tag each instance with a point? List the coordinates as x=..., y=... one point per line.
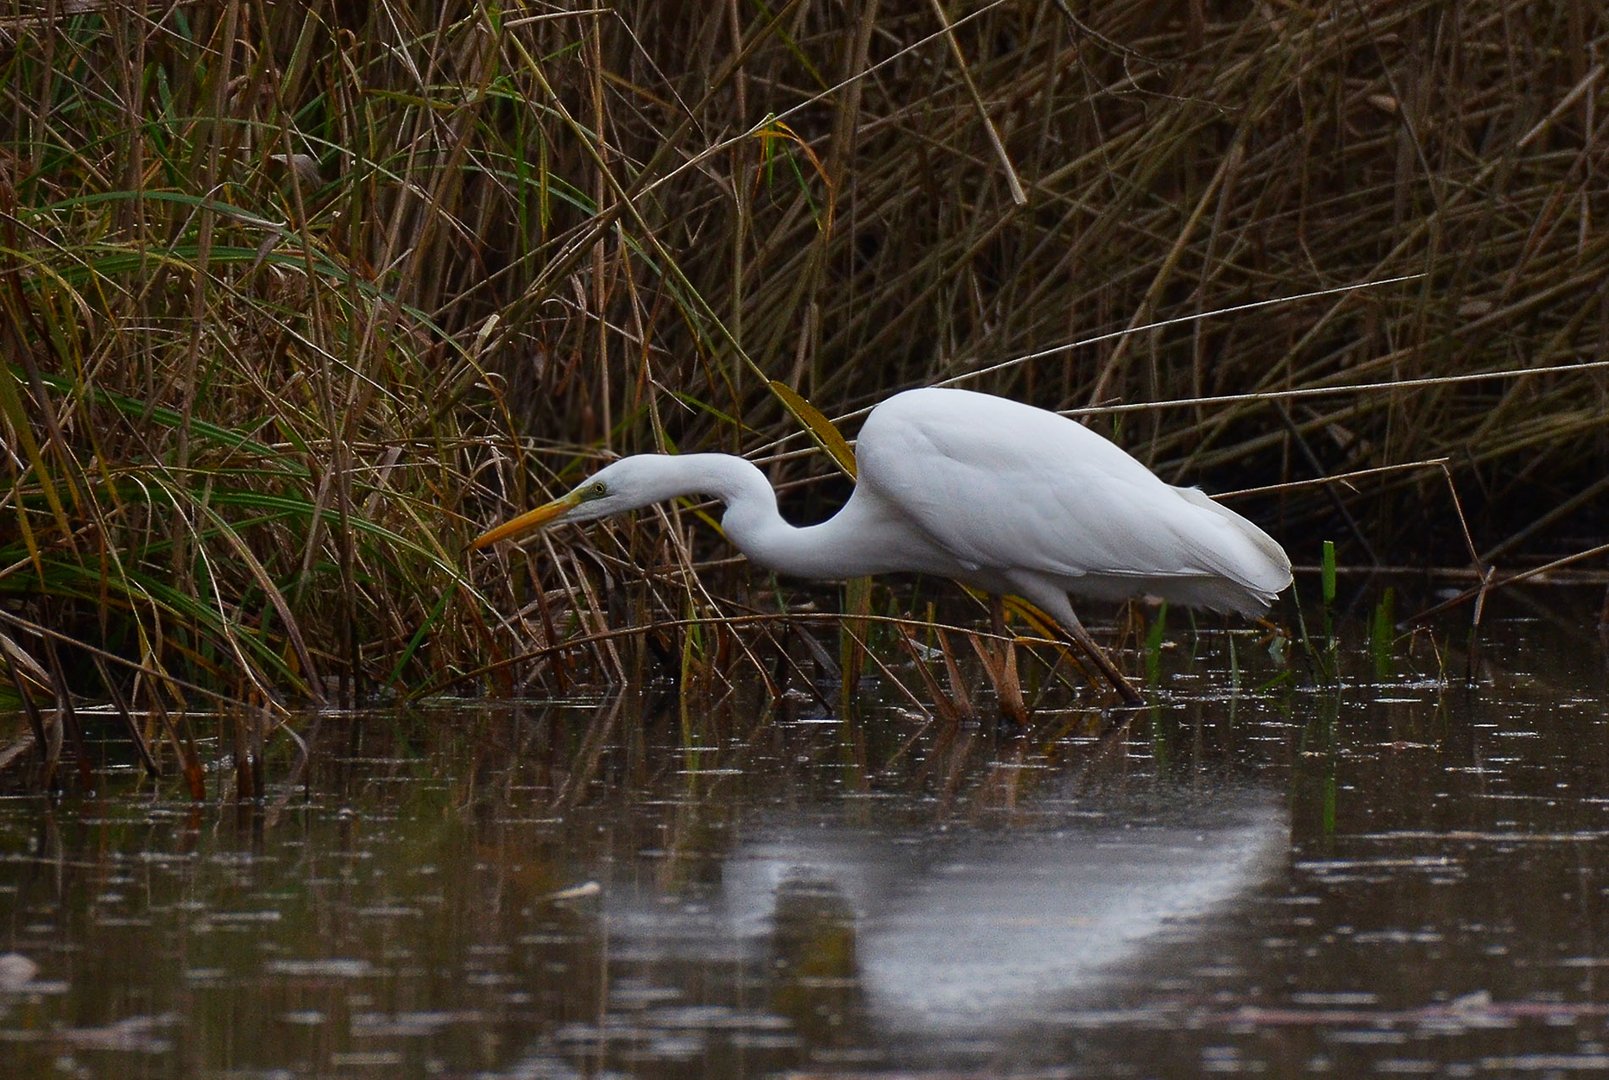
x=971, y=933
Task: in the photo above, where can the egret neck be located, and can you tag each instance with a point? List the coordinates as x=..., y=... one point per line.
x=860, y=539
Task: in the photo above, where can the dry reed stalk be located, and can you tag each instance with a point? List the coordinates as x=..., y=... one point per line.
x=297, y=297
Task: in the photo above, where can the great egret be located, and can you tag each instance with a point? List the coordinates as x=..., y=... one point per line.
x=998, y=495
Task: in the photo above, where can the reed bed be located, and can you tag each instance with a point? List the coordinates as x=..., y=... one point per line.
x=298, y=298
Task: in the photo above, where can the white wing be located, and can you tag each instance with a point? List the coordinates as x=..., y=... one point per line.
x=1006, y=487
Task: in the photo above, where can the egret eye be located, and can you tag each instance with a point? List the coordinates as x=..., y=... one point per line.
x=597, y=491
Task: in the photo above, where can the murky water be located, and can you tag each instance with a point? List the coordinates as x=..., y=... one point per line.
x=1404, y=877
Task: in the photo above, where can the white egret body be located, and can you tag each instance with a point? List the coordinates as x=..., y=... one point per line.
x=993, y=493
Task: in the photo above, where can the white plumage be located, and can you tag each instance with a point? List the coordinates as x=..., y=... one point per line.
x=1016, y=494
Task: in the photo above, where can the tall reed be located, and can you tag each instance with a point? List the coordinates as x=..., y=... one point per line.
x=295, y=298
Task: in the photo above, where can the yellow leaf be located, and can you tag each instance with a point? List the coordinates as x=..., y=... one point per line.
x=820, y=428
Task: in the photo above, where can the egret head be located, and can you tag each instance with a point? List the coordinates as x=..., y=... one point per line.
x=614, y=489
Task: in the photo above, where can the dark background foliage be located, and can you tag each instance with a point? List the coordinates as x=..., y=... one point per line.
x=282, y=284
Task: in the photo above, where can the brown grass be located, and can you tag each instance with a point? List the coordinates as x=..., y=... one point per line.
x=296, y=298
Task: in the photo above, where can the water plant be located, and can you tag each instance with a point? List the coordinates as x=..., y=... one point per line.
x=1383, y=634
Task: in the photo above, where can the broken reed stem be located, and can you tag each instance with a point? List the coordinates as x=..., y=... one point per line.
x=1335, y=478
x=1490, y=583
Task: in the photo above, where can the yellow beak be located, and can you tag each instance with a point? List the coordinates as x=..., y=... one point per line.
x=531, y=519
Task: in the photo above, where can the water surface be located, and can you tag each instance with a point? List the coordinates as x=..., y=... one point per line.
x=1402, y=876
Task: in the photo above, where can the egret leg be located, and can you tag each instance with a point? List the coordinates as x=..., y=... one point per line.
x=1098, y=655
x=1052, y=600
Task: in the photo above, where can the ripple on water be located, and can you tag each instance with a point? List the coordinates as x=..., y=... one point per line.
x=1395, y=879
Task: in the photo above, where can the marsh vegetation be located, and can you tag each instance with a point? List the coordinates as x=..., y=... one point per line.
x=296, y=299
